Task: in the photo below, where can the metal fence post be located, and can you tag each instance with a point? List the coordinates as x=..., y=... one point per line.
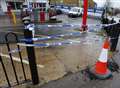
x=5, y=72
x=31, y=57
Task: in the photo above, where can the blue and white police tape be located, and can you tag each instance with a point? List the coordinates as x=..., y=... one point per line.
x=14, y=51
x=58, y=25
x=108, y=25
x=51, y=37
x=73, y=25
x=65, y=25
x=50, y=44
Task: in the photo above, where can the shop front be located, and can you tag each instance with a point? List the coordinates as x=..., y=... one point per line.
x=40, y=8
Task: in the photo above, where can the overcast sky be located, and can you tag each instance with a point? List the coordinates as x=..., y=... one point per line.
x=101, y=3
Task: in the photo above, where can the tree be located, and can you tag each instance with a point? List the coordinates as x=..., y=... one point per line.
x=108, y=8
x=55, y=1
x=91, y=4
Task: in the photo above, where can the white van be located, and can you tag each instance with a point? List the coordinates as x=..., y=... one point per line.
x=75, y=12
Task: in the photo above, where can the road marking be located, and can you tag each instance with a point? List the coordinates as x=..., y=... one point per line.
x=18, y=60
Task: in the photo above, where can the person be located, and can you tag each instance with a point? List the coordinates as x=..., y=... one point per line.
x=115, y=32
x=25, y=14
x=104, y=18
x=111, y=31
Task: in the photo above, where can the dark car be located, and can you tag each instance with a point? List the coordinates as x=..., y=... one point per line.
x=63, y=9
x=59, y=9
x=56, y=9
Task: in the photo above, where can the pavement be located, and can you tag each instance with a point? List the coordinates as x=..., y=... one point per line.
x=78, y=80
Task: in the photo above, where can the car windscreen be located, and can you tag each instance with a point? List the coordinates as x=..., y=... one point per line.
x=65, y=7
x=74, y=9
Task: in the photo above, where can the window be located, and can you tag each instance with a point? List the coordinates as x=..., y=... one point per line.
x=18, y=4
x=15, y=5
x=44, y=4
x=41, y=6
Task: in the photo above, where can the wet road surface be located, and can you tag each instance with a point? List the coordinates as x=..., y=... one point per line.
x=55, y=62
x=59, y=61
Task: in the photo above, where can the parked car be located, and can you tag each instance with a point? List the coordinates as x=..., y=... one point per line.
x=52, y=6
x=52, y=13
x=95, y=12
x=58, y=9
x=65, y=9
x=75, y=12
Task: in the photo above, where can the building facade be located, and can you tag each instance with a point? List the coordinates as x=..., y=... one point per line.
x=65, y=2
x=43, y=5
x=16, y=4
x=73, y=2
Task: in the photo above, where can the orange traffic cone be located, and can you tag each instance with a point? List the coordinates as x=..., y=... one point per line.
x=100, y=70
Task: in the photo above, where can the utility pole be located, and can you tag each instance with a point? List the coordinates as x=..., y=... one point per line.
x=84, y=18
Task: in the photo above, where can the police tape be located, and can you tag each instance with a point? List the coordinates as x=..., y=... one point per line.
x=51, y=37
x=76, y=24
x=109, y=25
x=112, y=38
x=53, y=44
x=43, y=45
x=65, y=25
x=14, y=51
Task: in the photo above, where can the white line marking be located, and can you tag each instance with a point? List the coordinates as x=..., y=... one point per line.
x=18, y=60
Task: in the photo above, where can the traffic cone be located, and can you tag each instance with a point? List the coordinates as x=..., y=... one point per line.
x=100, y=70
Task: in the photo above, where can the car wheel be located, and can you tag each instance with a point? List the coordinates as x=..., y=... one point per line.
x=78, y=15
x=81, y=14
x=69, y=15
x=59, y=12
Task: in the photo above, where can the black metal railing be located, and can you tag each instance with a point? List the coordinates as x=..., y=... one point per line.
x=31, y=59
x=3, y=66
x=11, y=58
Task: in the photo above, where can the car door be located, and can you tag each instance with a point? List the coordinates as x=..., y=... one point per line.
x=79, y=12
